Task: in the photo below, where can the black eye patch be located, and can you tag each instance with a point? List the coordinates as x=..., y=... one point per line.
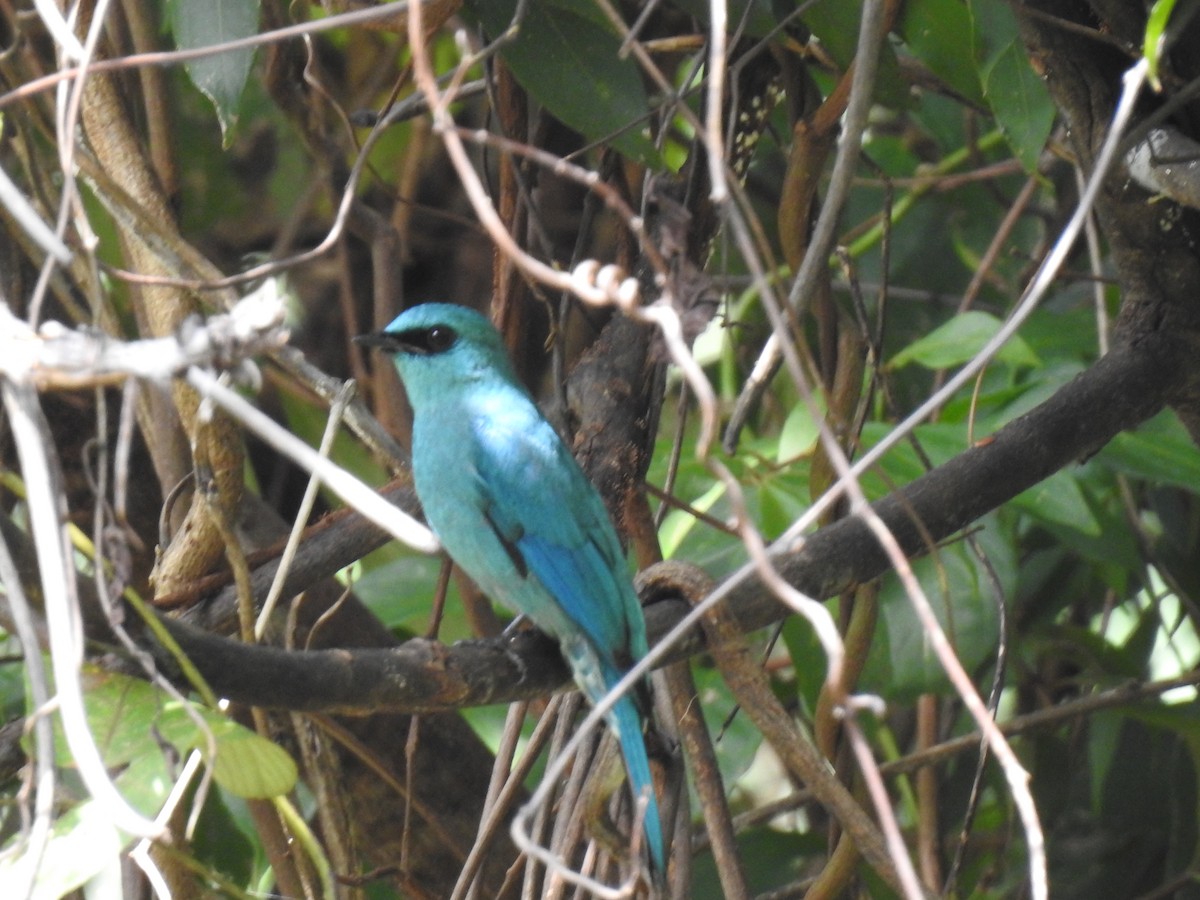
x=427, y=341
x=421, y=341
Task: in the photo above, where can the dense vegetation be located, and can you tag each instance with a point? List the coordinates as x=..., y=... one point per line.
x=895, y=282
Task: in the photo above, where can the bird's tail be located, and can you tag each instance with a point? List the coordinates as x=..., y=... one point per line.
x=627, y=723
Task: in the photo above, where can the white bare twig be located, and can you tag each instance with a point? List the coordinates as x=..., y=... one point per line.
x=58, y=357
x=336, y=411
x=38, y=831
x=59, y=28
x=47, y=517
x=714, y=133
x=362, y=497
x=28, y=218
x=175, y=57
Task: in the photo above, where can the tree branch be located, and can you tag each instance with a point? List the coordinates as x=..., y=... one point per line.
x=1129, y=385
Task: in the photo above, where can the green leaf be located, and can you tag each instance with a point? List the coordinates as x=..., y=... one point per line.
x=82, y=844
x=808, y=660
x=398, y=586
x=1160, y=450
x=1059, y=500
x=679, y=522
x=1101, y=548
x=739, y=738
x=221, y=77
x=902, y=664
x=933, y=31
x=129, y=718
x=569, y=63
x=1156, y=27
x=224, y=843
x=781, y=501
x=800, y=431
x=959, y=340
x=835, y=23
x=83, y=841
x=940, y=441
x=248, y=765
x=1020, y=103
x=307, y=421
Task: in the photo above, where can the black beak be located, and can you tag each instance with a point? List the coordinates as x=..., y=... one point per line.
x=380, y=339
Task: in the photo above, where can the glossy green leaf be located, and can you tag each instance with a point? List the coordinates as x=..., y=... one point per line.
x=246, y=764
x=679, y=522
x=959, y=340
x=835, y=24
x=225, y=842
x=1156, y=29
x=781, y=501
x=83, y=841
x=1020, y=102
x=569, y=62
x=308, y=420
x=1101, y=546
x=222, y=76
x=398, y=586
x=1035, y=391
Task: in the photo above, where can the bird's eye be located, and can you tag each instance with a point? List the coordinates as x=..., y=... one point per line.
x=439, y=338
x=424, y=341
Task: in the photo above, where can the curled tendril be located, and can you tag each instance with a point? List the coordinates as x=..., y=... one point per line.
x=604, y=285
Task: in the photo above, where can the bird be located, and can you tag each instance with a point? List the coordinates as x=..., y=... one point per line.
x=514, y=511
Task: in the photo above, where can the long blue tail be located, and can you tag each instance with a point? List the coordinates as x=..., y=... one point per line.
x=625, y=720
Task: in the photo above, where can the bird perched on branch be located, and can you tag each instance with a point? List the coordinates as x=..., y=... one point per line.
x=512, y=508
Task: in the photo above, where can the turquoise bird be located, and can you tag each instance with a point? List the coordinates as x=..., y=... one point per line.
x=512, y=508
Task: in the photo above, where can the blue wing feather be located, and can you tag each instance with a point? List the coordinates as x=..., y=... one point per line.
x=539, y=500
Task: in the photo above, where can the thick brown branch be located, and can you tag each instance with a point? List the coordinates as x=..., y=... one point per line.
x=1123, y=389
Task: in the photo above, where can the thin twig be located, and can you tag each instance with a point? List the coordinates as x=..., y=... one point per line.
x=31, y=435
x=37, y=831
x=332, y=424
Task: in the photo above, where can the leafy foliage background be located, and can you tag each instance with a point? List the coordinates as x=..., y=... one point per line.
x=1072, y=605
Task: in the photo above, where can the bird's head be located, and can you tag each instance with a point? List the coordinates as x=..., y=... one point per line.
x=438, y=346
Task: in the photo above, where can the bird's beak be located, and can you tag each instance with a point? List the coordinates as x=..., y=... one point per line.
x=380, y=339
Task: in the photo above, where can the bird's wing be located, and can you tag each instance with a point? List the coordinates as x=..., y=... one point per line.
x=554, y=526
